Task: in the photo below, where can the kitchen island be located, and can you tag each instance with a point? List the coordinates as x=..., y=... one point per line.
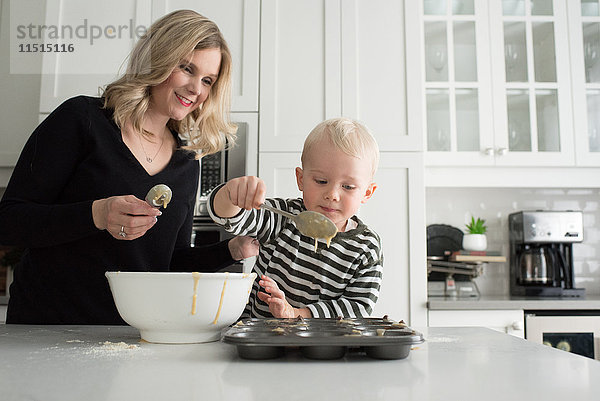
x=111, y=363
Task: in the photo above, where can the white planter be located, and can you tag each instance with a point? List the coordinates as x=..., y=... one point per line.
x=474, y=242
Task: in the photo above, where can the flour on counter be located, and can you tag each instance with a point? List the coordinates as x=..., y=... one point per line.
x=110, y=348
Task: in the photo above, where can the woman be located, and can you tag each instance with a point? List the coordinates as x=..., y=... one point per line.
x=75, y=199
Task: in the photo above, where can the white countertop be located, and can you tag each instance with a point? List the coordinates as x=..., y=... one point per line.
x=71, y=363
x=512, y=302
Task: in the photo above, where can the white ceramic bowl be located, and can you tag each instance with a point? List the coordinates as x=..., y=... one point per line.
x=180, y=307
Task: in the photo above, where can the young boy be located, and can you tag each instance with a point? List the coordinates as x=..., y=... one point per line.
x=339, y=161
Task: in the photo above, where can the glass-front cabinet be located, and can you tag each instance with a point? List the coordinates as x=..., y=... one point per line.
x=584, y=20
x=495, y=92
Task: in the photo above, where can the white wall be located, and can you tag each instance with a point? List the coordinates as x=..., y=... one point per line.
x=455, y=206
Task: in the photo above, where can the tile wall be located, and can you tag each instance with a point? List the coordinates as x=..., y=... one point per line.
x=455, y=206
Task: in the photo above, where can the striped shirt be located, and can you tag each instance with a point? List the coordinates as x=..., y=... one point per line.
x=342, y=280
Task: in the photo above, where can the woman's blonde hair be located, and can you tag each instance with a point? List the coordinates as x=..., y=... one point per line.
x=168, y=42
x=349, y=136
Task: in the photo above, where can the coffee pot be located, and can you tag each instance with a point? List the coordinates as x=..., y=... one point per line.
x=536, y=265
x=541, y=252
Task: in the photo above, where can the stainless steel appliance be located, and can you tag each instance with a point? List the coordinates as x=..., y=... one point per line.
x=573, y=331
x=236, y=161
x=220, y=167
x=541, y=252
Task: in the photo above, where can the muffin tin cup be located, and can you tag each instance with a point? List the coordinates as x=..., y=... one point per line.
x=322, y=338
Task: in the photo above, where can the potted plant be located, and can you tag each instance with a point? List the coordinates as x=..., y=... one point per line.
x=475, y=239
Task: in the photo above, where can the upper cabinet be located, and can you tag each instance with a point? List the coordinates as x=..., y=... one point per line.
x=496, y=87
x=322, y=59
x=120, y=24
x=239, y=21
x=584, y=22
x=97, y=57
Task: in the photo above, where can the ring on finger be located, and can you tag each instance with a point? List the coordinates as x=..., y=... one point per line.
x=122, y=232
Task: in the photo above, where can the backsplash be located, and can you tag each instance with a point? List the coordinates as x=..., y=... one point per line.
x=455, y=206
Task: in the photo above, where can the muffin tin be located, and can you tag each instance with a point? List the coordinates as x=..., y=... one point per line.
x=322, y=338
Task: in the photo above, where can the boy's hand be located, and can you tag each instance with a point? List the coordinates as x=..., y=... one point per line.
x=275, y=298
x=239, y=193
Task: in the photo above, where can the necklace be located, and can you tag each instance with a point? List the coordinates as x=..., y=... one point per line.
x=148, y=158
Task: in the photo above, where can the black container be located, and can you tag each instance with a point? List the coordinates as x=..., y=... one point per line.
x=322, y=338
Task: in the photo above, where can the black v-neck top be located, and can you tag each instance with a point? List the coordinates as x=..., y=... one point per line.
x=74, y=157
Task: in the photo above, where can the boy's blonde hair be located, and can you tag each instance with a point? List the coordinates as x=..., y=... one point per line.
x=349, y=136
x=168, y=42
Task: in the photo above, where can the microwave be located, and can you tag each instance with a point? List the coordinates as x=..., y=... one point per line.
x=238, y=160
x=234, y=161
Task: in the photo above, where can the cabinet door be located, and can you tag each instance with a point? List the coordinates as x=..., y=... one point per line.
x=494, y=91
x=456, y=81
x=84, y=72
x=374, y=86
x=584, y=34
x=531, y=82
x=396, y=212
x=300, y=82
x=101, y=39
x=239, y=21
x=505, y=321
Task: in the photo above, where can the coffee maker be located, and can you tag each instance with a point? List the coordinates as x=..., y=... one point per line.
x=541, y=252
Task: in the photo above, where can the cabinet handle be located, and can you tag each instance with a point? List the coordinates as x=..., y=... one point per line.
x=502, y=151
x=489, y=151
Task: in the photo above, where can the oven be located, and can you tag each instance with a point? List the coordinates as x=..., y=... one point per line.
x=240, y=160
x=574, y=331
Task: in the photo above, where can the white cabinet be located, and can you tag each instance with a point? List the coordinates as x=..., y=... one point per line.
x=374, y=88
x=83, y=71
x=496, y=89
x=101, y=40
x=19, y=86
x=322, y=59
x=396, y=212
x=505, y=321
x=239, y=21
x=584, y=35
x=300, y=70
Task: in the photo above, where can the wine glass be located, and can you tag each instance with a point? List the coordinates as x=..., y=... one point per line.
x=511, y=56
x=590, y=53
x=436, y=56
x=594, y=142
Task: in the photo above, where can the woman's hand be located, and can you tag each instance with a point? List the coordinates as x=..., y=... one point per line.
x=124, y=217
x=275, y=298
x=243, y=247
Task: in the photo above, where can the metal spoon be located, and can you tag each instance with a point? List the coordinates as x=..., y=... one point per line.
x=311, y=224
x=159, y=195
